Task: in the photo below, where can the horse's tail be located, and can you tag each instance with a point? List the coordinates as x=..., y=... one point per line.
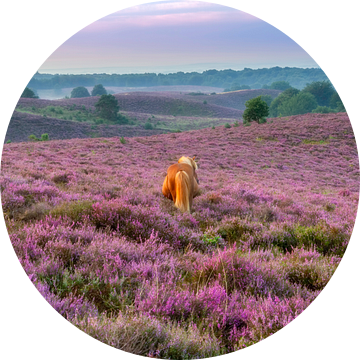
x=182, y=188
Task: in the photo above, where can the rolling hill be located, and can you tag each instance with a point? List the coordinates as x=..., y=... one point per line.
x=165, y=110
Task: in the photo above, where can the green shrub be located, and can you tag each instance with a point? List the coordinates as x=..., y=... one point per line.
x=148, y=126
x=227, y=126
x=33, y=138
x=44, y=137
x=122, y=140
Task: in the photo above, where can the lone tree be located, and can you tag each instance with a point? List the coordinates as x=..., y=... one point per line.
x=28, y=93
x=79, y=92
x=98, y=90
x=107, y=107
x=256, y=110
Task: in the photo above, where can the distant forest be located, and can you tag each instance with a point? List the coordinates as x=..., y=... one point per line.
x=255, y=79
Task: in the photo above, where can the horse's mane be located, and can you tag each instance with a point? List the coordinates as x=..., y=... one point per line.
x=189, y=161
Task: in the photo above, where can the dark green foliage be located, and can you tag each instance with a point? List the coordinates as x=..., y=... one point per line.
x=33, y=138
x=336, y=103
x=236, y=124
x=256, y=110
x=205, y=102
x=323, y=110
x=44, y=137
x=295, y=76
x=196, y=80
x=79, y=92
x=28, y=93
x=227, y=126
x=279, y=100
x=121, y=120
x=267, y=98
x=148, y=126
x=280, y=85
x=98, y=90
x=107, y=107
x=122, y=140
x=8, y=142
x=322, y=90
x=302, y=103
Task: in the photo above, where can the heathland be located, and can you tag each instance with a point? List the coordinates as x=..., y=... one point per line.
x=146, y=113
x=92, y=230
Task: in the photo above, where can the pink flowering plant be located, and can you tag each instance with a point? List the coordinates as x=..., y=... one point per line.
x=95, y=235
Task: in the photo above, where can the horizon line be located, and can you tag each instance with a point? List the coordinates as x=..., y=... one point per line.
x=173, y=72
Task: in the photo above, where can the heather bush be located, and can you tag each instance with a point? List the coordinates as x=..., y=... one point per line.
x=71, y=307
x=143, y=335
x=74, y=210
x=94, y=233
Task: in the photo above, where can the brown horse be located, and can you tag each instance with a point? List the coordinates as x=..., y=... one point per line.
x=181, y=183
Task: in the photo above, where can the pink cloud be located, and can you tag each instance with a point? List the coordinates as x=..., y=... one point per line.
x=185, y=14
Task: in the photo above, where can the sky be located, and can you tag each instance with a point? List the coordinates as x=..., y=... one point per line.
x=173, y=36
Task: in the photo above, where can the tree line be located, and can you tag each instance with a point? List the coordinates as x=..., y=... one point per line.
x=227, y=79
x=317, y=97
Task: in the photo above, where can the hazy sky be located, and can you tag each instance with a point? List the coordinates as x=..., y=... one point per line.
x=173, y=36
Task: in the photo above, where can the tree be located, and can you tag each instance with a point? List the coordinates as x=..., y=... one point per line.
x=280, y=99
x=256, y=110
x=107, y=107
x=323, y=110
x=267, y=98
x=302, y=103
x=322, y=90
x=148, y=126
x=28, y=93
x=196, y=80
x=79, y=92
x=98, y=90
x=280, y=85
x=336, y=103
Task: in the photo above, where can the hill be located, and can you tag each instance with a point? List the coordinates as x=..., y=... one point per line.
x=96, y=237
x=59, y=93
x=161, y=103
x=165, y=110
x=23, y=124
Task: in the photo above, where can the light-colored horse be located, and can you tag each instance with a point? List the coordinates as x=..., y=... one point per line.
x=181, y=183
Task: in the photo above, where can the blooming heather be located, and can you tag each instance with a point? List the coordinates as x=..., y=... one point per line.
x=92, y=230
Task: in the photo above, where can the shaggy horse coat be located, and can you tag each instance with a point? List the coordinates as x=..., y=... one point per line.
x=181, y=183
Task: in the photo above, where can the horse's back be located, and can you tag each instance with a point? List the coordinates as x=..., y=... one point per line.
x=173, y=169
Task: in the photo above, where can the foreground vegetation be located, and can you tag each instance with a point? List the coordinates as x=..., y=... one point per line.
x=97, y=238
